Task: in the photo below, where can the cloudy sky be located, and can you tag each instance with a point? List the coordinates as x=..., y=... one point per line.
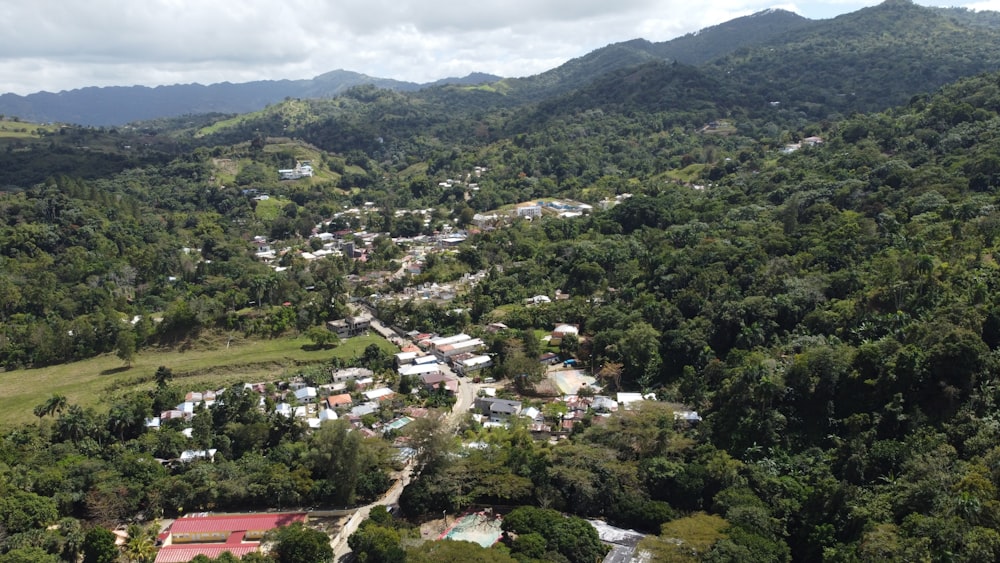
x=55, y=45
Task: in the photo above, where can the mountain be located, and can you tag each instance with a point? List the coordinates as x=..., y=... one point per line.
x=866, y=60
x=117, y=105
x=694, y=49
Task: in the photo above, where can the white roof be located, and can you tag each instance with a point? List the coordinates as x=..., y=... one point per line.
x=404, y=357
x=191, y=455
x=305, y=393
x=626, y=398
x=377, y=393
x=475, y=361
x=442, y=340
x=419, y=369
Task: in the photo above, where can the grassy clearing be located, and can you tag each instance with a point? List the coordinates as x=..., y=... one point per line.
x=23, y=130
x=210, y=364
x=269, y=209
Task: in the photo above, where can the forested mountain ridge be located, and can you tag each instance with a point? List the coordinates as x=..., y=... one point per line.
x=867, y=60
x=117, y=105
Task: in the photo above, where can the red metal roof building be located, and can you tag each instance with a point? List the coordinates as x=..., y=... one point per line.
x=213, y=535
x=185, y=553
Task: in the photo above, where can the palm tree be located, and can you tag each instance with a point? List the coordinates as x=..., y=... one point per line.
x=74, y=424
x=140, y=547
x=55, y=404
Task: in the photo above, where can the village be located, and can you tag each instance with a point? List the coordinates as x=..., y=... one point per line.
x=451, y=381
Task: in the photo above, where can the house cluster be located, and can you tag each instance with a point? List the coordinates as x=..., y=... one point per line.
x=434, y=358
x=312, y=405
x=432, y=291
x=608, y=203
x=211, y=536
x=543, y=299
x=303, y=169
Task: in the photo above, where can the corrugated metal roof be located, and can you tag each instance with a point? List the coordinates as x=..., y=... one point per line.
x=234, y=523
x=185, y=553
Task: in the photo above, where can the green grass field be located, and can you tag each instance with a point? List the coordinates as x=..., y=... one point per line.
x=209, y=365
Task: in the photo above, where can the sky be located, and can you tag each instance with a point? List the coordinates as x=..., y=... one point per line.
x=54, y=45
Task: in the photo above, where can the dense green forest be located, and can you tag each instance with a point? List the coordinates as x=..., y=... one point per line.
x=817, y=280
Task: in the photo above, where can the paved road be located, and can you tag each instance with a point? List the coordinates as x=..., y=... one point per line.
x=341, y=551
x=465, y=397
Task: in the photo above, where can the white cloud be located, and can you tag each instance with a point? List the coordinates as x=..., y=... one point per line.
x=54, y=45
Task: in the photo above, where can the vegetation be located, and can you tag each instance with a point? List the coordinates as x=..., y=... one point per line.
x=816, y=282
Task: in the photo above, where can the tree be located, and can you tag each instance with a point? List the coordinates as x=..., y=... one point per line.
x=163, y=377
x=297, y=543
x=125, y=347
x=322, y=338
x=22, y=511
x=28, y=555
x=334, y=455
x=453, y=551
x=374, y=543
x=141, y=544
x=55, y=404
x=99, y=546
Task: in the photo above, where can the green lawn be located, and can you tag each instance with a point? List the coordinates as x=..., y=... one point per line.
x=90, y=382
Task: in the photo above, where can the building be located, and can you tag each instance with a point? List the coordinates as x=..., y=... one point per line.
x=472, y=363
x=347, y=374
x=498, y=410
x=341, y=400
x=211, y=536
x=350, y=326
x=471, y=346
x=529, y=211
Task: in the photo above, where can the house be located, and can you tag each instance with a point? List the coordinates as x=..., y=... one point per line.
x=305, y=394
x=604, y=404
x=350, y=326
x=627, y=399
x=419, y=369
x=188, y=456
x=324, y=415
x=348, y=374
x=404, y=358
x=342, y=400
x=549, y=358
x=529, y=211
x=363, y=409
x=447, y=351
x=211, y=536
x=691, y=417
x=473, y=363
x=563, y=330
x=379, y=394
x=498, y=410
x=437, y=342
x=433, y=381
